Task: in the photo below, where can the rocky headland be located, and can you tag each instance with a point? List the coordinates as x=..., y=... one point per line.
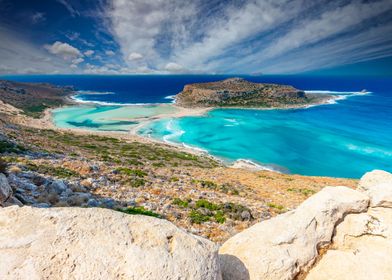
x=34, y=98
x=237, y=92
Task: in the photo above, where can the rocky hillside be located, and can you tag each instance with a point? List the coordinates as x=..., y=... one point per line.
x=33, y=98
x=237, y=92
x=338, y=233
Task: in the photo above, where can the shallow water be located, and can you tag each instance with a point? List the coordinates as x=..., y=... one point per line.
x=344, y=139
x=106, y=118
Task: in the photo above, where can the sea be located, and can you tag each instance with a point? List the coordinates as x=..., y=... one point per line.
x=344, y=138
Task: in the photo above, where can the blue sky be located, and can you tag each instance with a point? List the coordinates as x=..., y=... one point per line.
x=195, y=36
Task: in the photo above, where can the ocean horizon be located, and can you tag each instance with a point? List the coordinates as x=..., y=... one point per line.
x=343, y=139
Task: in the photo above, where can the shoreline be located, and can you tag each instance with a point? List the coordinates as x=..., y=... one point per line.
x=47, y=122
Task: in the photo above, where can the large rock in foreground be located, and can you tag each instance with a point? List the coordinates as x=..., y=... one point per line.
x=282, y=247
x=361, y=249
x=78, y=243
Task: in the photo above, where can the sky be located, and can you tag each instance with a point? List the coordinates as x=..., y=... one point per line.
x=196, y=36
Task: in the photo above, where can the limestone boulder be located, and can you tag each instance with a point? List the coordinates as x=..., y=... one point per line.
x=378, y=186
x=361, y=250
x=283, y=246
x=374, y=178
x=80, y=243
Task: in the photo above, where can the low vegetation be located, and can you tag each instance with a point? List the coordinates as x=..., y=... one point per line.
x=203, y=210
x=56, y=171
x=306, y=192
x=139, y=211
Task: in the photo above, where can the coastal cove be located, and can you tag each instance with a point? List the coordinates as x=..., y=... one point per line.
x=327, y=140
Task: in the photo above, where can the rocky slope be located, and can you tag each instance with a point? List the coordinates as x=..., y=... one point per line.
x=237, y=92
x=338, y=233
x=33, y=98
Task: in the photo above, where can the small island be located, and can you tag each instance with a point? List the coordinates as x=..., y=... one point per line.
x=237, y=92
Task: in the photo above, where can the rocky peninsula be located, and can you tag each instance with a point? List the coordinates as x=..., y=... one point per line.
x=237, y=92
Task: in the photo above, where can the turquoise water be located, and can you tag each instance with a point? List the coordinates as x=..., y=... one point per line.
x=327, y=140
x=106, y=118
x=345, y=139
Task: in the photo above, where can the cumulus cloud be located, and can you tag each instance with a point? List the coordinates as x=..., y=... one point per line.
x=135, y=56
x=89, y=53
x=110, y=53
x=174, y=67
x=64, y=50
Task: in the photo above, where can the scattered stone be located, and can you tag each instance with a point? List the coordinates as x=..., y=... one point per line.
x=92, y=203
x=57, y=186
x=41, y=205
x=5, y=189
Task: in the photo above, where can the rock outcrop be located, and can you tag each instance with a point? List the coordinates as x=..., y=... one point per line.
x=361, y=248
x=78, y=243
x=237, y=92
x=352, y=227
x=283, y=246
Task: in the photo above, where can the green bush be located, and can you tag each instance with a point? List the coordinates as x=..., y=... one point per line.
x=60, y=172
x=139, y=211
x=180, y=202
x=220, y=217
x=203, y=203
x=197, y=217
x=130, y=172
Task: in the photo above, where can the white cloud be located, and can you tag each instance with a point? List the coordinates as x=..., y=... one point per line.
x=64, y=50
x=110, y=53
x=89, y=53
x=77, y=60
x=38, y=17
x=174, y=67
x=72, y=35
x=73, y=12
x=237, y=36
x=135, y=56
x=18, y=56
